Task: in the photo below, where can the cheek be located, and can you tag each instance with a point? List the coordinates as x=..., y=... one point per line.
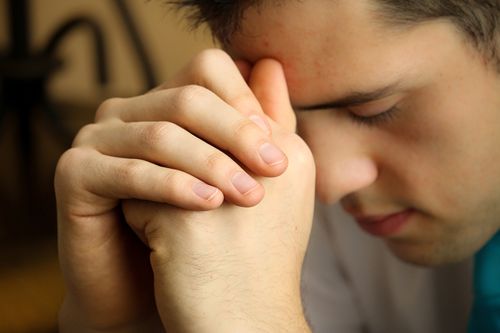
x=455, y=146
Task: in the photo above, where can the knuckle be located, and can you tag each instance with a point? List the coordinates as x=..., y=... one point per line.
x=244, y=129
x=69, y=164
x=66, y=161
x=215, y=160
x=108, y=108
x=208, y=59
x=129, y=172
x=298, y=153
x=188, y=97
x=171, y=180
x=244, y=102
x=158, y=133
x=84, y=135
x=175, y=183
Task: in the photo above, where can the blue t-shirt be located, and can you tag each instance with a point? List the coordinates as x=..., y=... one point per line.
x=485, y=315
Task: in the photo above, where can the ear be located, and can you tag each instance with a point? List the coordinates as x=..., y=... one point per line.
x=268, y=83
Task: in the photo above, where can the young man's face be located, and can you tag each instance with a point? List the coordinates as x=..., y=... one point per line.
x=436, y=158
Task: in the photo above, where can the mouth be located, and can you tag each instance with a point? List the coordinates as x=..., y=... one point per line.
x=384, y=225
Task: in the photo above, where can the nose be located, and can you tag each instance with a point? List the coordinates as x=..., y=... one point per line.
x=343, y=174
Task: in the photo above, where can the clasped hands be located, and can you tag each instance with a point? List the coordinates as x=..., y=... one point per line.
x=188, y=209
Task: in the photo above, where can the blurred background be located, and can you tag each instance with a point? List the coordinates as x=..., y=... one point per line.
x=58, y=61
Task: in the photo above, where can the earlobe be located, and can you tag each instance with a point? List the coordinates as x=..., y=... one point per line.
x=268, y=83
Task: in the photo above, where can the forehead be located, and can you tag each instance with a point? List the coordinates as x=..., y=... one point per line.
x=328, y=47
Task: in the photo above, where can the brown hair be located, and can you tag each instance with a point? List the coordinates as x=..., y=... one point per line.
x=477, y=19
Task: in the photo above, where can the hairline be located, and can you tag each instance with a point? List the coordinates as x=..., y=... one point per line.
x=488, y=48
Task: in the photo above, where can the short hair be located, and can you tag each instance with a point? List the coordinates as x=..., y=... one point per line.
x=477, y=19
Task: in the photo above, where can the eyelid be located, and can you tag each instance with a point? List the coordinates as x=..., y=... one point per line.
x=375, y=120
x=374, y=107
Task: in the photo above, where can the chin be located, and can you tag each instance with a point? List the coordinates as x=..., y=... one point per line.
x=444, y=246
x=429, y=254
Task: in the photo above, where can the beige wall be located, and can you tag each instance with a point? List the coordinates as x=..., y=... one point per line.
x=165, y=34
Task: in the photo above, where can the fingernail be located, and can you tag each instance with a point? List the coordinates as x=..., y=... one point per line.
x=271, y=154
x=259, y=121
x=243, y=182
x=204, y=191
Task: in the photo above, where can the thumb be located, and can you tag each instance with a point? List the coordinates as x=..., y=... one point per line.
x=268, y=83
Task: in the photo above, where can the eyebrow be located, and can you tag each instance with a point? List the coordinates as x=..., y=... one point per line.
x=354, y=98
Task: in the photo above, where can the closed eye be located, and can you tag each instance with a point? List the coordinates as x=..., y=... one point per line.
x=378, y=119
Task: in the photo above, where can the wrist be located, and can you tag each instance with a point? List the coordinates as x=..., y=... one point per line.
x=249, y=315
x=229, y=323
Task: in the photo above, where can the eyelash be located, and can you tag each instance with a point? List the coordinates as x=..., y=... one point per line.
x=376, y=120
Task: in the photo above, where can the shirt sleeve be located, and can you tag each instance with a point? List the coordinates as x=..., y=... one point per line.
x=329, y=302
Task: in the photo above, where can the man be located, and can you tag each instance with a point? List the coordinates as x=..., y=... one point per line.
x=399, y=104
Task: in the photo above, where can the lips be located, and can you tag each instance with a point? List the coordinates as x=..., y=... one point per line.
x=384, y=225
